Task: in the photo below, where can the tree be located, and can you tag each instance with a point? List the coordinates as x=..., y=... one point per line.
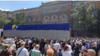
x=3, y=19
x=83, y=16
x=13, y=21
x=20, y=17
x=97, y=17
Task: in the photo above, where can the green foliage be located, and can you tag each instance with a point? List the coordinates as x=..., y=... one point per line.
x=83, y=16
x=97, y=17
x=19, y=19
x=3, y=19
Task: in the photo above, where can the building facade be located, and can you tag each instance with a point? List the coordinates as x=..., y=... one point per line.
x=56, y=12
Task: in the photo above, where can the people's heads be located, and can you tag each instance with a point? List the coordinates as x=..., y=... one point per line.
x=50, y=52
x=84, y=44
x=22, y=43
x=63, y=40
x=66, y=48
x=91, y=52
x=85, y=52
x=47, y=42
x=6, y=47
x=2, y=41
x=27, y=40
x=33, y=45
x=0, y=44
x=37, y=47
x=93, y=45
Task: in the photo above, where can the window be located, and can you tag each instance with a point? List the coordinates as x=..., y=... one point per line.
x=29, y=14
x=46, y=17
x=29, y=19
x=47, y=22
x=34, y=13
x=39, y=12
x=61, y=22
x=94, y=5
x=93, y=12
x=63, y=16
x=53, y=22
x=63, y=8
x=24, y=20
x=54, y=9
x=74, y=7
x=54, y=17
x=9, y=15
x=33, y=19
x=46, y=10
x=64, y=21
x=39, y=19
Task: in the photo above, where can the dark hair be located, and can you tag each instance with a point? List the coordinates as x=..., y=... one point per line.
x=83, y=43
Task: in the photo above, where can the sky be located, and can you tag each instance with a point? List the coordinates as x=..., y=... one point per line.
x=16, y=5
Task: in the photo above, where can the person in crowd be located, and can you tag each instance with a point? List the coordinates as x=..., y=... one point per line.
x=12, y=41
x=47, y=46
x=6, y=51
x=91, y=52
x=33, y=45
x=43, y=42
x=65, y=51
x=35, y=52
x=95, y=49
x=30, y=45
x=85, y=52
x=87, y=45
x=50, y=52
x=27, y=44
x=22, y=51
x=13, y=49
x=98, y=46
x=56, y=47
x=83, y=46
x=63, y=43
x=2, y=45
x=76, y=50
x=7, y=41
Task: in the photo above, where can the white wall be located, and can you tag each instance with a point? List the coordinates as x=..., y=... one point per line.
x=49, y=34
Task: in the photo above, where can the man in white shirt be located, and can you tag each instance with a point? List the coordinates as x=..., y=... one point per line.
x=56, y=48
x=7, y=40
x=22, y=51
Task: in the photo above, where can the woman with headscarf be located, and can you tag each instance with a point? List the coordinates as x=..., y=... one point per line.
x=13, y=49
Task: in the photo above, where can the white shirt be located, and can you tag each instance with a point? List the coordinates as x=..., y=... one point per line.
x=47, y=47
x=12, y=42
x=95, y=44
x=70, y=49
x=83, y=47
x=7, y=41
x=66, y=53
x=57, y=47
x=24, y=52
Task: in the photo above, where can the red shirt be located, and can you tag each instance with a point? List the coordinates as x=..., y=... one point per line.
x=5, y=53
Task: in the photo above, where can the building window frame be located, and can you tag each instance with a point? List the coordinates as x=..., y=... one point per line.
x=54, y=9
x=33, y=19
x=34, y=13
x=46, y=10
x=39, y=18
x=29, y=14
x=39, y=12
x=29, y=19
x=63, y=8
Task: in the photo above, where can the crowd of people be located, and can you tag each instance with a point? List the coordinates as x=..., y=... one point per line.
x=75, y=46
